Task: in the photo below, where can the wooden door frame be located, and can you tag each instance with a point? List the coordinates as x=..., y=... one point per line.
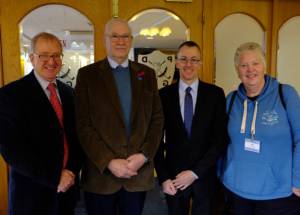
x=3, y=187
x=3, y=166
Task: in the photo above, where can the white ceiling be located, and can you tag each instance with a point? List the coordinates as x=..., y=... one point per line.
x=70, y=25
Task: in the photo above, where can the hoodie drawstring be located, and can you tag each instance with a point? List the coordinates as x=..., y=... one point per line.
x=243, y=125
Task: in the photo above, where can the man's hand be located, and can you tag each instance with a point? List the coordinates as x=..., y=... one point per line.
x=119, y=167
x=184, y=179
x=136, y=161
x=168, y=187
x=67, y=179
x=296, y=191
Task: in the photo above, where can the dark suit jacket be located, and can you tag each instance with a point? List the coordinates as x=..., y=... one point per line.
x=208, y=135
x=32, y=144
x=101, y=126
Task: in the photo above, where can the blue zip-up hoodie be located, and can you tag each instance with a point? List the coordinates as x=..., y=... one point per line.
x=273, y=171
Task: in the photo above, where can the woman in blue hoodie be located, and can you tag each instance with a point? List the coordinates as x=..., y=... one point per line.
x=262, y=167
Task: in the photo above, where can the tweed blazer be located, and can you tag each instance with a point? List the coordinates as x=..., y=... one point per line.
x=101, y=126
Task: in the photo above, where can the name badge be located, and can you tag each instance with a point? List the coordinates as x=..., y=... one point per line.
x=252, y=145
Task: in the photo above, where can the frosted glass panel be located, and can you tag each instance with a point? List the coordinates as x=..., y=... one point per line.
x=232, y=31
x=288, y=61
x=74, y=30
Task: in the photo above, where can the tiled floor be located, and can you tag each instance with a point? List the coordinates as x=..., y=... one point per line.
x=154, y=205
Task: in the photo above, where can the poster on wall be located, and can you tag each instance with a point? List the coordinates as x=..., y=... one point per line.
x=163, y=65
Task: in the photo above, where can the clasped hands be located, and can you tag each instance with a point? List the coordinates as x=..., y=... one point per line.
x=126, y=168
x=181, y=182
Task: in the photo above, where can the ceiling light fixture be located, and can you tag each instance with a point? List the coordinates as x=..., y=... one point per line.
x=166, y=31
x=155, y=31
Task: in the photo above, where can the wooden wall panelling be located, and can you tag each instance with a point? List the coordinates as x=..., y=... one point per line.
x=287, y=9
x=208, y=42
x=274, y=44
x=3, y=187
x=1, y=64
x=291, y=9
x=3, y=167
x=98, y=12
x=189, y=13
x=216, y=10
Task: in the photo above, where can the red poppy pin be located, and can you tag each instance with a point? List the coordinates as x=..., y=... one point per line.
x=140, y=75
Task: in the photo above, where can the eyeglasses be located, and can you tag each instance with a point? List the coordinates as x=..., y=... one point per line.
x=116, y=37
x=46, y=57
x=185, y=60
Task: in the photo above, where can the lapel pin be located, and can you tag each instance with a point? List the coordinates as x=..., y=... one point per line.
x=140, y=75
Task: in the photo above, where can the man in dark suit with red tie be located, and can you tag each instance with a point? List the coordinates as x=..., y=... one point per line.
x=195, y=136
x=38, y=136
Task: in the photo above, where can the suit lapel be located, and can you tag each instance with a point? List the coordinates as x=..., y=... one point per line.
x=39, y=98
x=63, y=98
x=110, y=85
x=136, y=87
x=175, y=107
x=199, y=108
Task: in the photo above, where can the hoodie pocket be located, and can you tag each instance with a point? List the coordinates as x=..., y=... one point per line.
x=251, y=178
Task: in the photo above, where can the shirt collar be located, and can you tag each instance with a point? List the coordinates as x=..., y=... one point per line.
x=113, y=64
x=183, y=85
x=44, y=83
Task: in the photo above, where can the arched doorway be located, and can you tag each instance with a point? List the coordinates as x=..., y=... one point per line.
x=288, y=63
x=75, y=31
x=157, y=34
x=230, y=32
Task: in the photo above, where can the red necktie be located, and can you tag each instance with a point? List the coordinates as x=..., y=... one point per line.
x=59, y=113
